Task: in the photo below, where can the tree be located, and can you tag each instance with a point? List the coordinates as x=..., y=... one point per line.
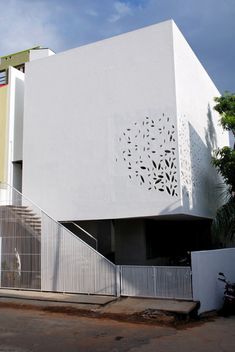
x=226, y=108
x=223, y=225
x=224, y=161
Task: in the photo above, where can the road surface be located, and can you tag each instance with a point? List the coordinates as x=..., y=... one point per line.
x=31, y=330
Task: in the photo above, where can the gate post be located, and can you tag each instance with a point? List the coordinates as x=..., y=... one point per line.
x=0, y=261
x=118, y=280
x=154, y=281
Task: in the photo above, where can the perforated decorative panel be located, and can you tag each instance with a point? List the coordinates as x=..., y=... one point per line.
x=148, y=149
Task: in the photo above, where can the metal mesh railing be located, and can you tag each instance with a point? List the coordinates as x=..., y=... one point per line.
x=36, y=252
x=20, y=242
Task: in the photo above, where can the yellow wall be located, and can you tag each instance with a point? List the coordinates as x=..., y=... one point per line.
x=3, y=133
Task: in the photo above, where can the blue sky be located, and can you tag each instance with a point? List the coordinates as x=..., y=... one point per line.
x=208, y=26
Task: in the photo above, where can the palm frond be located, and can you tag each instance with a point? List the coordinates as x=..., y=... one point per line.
x=223, y=226
x=223, y=193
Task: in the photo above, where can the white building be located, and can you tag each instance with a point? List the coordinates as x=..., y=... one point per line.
x=117, y=136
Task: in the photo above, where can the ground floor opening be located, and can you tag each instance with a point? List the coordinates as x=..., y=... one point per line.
x=146, y=241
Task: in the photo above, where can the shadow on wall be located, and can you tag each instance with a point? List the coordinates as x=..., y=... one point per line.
x=199, y=192
x=186, y=202
x=198, y=176
x=210, y=132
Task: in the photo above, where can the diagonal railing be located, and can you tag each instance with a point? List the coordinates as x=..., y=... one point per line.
x=37, y=252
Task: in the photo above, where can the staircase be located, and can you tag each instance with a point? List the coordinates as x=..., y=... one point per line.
x=27, y=218
x=20, y=252
x=38, y=253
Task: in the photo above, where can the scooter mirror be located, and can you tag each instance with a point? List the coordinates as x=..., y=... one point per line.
x=223, y=280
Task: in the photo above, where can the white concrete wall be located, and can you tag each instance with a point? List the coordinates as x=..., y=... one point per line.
x=205, y=268
x=105, y=123
x=15, y=124
x=17, y=110
x=36, y=54
x=198, y=129
x=82, y=108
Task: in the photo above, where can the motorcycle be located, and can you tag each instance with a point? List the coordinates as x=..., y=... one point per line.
x=229, y=295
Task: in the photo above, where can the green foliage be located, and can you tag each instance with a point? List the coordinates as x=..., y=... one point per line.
x=223, y=226
x=224, y=158
x=226, y=108
x=224, y=161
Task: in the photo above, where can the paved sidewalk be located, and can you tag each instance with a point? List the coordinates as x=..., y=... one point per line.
x=56, y=297
x=98, y=305
x=131, y=305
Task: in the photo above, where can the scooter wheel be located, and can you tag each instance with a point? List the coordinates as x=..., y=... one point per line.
x=226, y=310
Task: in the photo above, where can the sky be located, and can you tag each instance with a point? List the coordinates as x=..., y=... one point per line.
x=208, y=26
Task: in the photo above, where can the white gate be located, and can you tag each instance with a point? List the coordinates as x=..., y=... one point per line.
x=156, y=281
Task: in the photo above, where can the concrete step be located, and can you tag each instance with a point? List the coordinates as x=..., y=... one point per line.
x=31, y=220
x=27, y=216
x=21, y=211
x=133, y=305
x=35, y=220
x=34, y=227
x=25, y=213
x=16, y=206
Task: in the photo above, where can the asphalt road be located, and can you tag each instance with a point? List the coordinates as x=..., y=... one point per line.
x=32, y=330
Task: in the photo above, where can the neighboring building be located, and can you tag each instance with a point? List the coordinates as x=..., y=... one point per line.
x=117, y=138
x=12, y=68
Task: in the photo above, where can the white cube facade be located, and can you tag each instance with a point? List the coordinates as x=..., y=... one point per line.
x=121, y=128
